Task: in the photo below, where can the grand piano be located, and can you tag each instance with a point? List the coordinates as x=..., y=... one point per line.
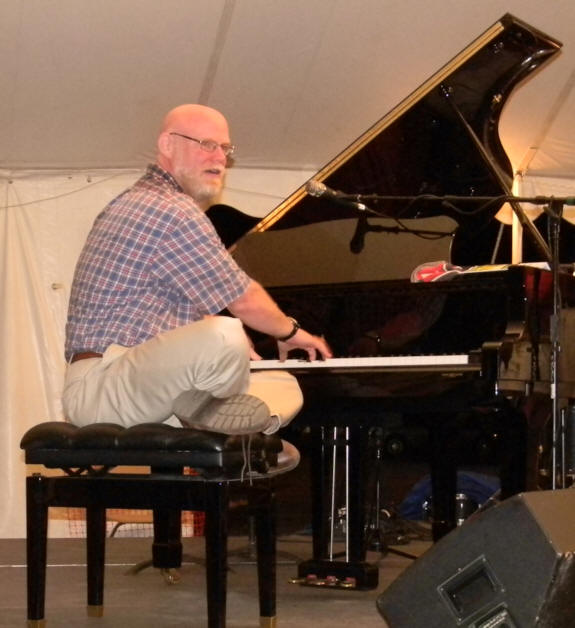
x=473, y=342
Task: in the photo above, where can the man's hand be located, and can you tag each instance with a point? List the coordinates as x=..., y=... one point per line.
x=304, y=340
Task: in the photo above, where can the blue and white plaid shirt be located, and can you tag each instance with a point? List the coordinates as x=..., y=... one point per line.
x=152, y=262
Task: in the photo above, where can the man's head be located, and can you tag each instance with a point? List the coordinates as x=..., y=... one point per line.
x=187, y=135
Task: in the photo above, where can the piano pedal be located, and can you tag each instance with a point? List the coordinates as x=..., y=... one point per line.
x=327, y=574
x=329, y=582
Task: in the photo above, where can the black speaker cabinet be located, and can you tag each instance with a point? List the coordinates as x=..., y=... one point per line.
x=509, y=566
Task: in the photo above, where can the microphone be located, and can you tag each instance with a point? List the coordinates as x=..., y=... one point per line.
x=319, y=189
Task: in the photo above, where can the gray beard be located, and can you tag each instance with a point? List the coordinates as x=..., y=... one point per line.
x=204, y=194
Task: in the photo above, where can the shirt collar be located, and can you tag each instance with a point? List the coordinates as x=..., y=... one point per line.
x=156, y=172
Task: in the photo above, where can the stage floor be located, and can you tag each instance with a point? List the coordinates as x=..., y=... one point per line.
x=146, y=599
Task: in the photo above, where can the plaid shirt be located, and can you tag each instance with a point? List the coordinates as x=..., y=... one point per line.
x=152, y=262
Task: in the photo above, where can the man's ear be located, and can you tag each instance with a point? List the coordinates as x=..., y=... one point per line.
x=165, y=144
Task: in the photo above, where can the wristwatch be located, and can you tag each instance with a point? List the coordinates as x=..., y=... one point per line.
x=293, y=331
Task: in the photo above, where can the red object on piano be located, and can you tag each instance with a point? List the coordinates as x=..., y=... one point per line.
x=435, y=271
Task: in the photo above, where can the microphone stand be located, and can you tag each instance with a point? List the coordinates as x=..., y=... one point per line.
x=397, y=230
x=555, y=211
x=449, y=199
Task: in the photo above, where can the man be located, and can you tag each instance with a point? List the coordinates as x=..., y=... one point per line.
x=144, y=341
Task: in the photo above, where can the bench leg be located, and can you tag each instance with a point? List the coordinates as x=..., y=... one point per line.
x=263, y=504
x=216, y=538
x=96, y=558
x=167, y=551
x=167, y=545
x=36, y=545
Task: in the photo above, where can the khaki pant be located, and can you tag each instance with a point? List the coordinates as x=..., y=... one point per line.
x=185, y=366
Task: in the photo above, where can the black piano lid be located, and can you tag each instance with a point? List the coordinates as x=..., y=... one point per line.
x=441, y=140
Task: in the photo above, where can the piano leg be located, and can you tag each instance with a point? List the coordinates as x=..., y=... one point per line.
x=444, y=461
x=320, y=472
x=513, y=458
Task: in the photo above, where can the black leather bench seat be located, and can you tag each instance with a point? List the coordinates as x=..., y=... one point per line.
x=57, y=444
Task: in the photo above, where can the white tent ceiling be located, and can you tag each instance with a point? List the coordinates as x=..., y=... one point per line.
x=85, y=82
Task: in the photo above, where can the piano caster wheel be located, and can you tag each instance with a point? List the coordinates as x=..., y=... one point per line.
x=171, y=576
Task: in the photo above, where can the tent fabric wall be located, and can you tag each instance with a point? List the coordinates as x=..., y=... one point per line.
x=44, y=220
x=558, y=187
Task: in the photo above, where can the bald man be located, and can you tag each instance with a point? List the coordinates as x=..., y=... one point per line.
x=145, y=341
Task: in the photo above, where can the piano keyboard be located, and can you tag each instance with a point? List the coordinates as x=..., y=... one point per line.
x=371, y=363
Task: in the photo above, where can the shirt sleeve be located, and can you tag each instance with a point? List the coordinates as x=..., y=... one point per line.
x=193, y=260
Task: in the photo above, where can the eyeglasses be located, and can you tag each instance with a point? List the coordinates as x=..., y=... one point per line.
x=209, y=145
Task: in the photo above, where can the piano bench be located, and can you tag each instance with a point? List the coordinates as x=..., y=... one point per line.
x=89, y=457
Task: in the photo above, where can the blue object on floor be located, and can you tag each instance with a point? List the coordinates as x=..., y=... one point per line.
x=478, y=487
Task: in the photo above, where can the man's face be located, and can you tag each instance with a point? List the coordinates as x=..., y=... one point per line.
x=200, y=173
